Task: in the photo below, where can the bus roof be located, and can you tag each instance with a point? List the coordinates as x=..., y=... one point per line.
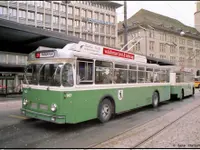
x=90, y=51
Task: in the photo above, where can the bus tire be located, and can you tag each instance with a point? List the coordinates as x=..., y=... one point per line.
x=182, y=95
x=105, y=110
x=193, y=91
x=155, y=99
x=199, y=86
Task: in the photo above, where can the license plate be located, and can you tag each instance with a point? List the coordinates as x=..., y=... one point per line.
x=44, y=107
x=34, y=105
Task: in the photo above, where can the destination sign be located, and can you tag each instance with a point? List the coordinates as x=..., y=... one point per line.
x=116, y=53
x=44, y=54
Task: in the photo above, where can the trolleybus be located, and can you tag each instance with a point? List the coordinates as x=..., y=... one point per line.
x=83, y=81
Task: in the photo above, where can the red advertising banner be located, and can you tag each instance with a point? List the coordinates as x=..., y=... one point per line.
x=116, y=53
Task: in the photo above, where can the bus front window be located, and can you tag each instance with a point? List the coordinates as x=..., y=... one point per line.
x=67, y=75
x=31, y=74
x=49, y=74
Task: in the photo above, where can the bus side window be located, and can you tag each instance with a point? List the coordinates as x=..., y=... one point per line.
x=84, y=71
x=120, y=73
x=141, y=74
x=103, y=72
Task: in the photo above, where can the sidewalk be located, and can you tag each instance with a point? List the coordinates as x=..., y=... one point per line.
x=10, y=97
x=171, y=133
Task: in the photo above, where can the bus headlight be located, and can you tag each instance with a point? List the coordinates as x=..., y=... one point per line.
x=25, y=102
x=53, y=107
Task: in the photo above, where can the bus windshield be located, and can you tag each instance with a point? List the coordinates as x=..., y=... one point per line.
x=49, y=74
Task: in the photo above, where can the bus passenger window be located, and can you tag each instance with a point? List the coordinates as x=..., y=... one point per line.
x=103, y=72
x=141, y=74
x=84, y=72
x=67, y=75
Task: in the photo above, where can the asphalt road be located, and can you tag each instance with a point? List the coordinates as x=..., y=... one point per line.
x=17, y=131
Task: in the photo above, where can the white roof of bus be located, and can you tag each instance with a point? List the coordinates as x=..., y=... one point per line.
x=91, y=51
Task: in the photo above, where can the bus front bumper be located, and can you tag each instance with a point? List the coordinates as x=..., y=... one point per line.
x=42, y=116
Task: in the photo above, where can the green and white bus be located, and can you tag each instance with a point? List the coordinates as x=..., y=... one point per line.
x=83, y=81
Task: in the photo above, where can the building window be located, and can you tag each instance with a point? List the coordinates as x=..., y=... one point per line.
x=83, y=13
x=22, y=14
x=136, y=47
x=31, y=15
x=13, y=12
x=102, y=40
x=112, y=19
x=102, y=17
x=63, y=21
x=151, y=45
x=107, y=18
x=40, y=3
x=107, y=29
x=151, y=34
x=3, y=10
x=182, y=50
x=89, y=37
x=84, y=36
x=96, y=15
x=197, y=52
x=172, y=49
x=89, y=26
x=190, y=52
x=48, y=18
x=151, y=55
x=102, y=28
x=77, y=11
x=113, y=30
x=84, y=27
x=40, y=17
x=189, y=42
x=70, y=22
x=162, y=47
x=107, y=41
x=162, y=36
x=162, y=56
x=77, y=24
x=55, y=19
x=182, y=41
x=70, y=33
x=96, y=27
x=173, y=59
x=89, y=14
x=77, y=34
x=47, y=5
x=113, y=42
x=63, y=8
x=96, y=38
x=56, y=6
x=70, y=10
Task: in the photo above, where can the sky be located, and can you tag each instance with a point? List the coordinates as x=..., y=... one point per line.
x=180, y=10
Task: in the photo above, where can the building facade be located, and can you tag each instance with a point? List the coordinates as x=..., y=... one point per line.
x=90, y=20
x=162, y=37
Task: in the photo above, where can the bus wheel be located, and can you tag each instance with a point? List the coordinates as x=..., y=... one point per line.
x=193, y=91
x=155, y=99
x=182, y=95
x=105, y=110
x=199, y=86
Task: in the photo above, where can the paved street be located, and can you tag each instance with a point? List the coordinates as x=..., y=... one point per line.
x=18, y=131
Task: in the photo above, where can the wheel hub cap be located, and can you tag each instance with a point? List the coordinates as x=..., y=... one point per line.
x=105, y=111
